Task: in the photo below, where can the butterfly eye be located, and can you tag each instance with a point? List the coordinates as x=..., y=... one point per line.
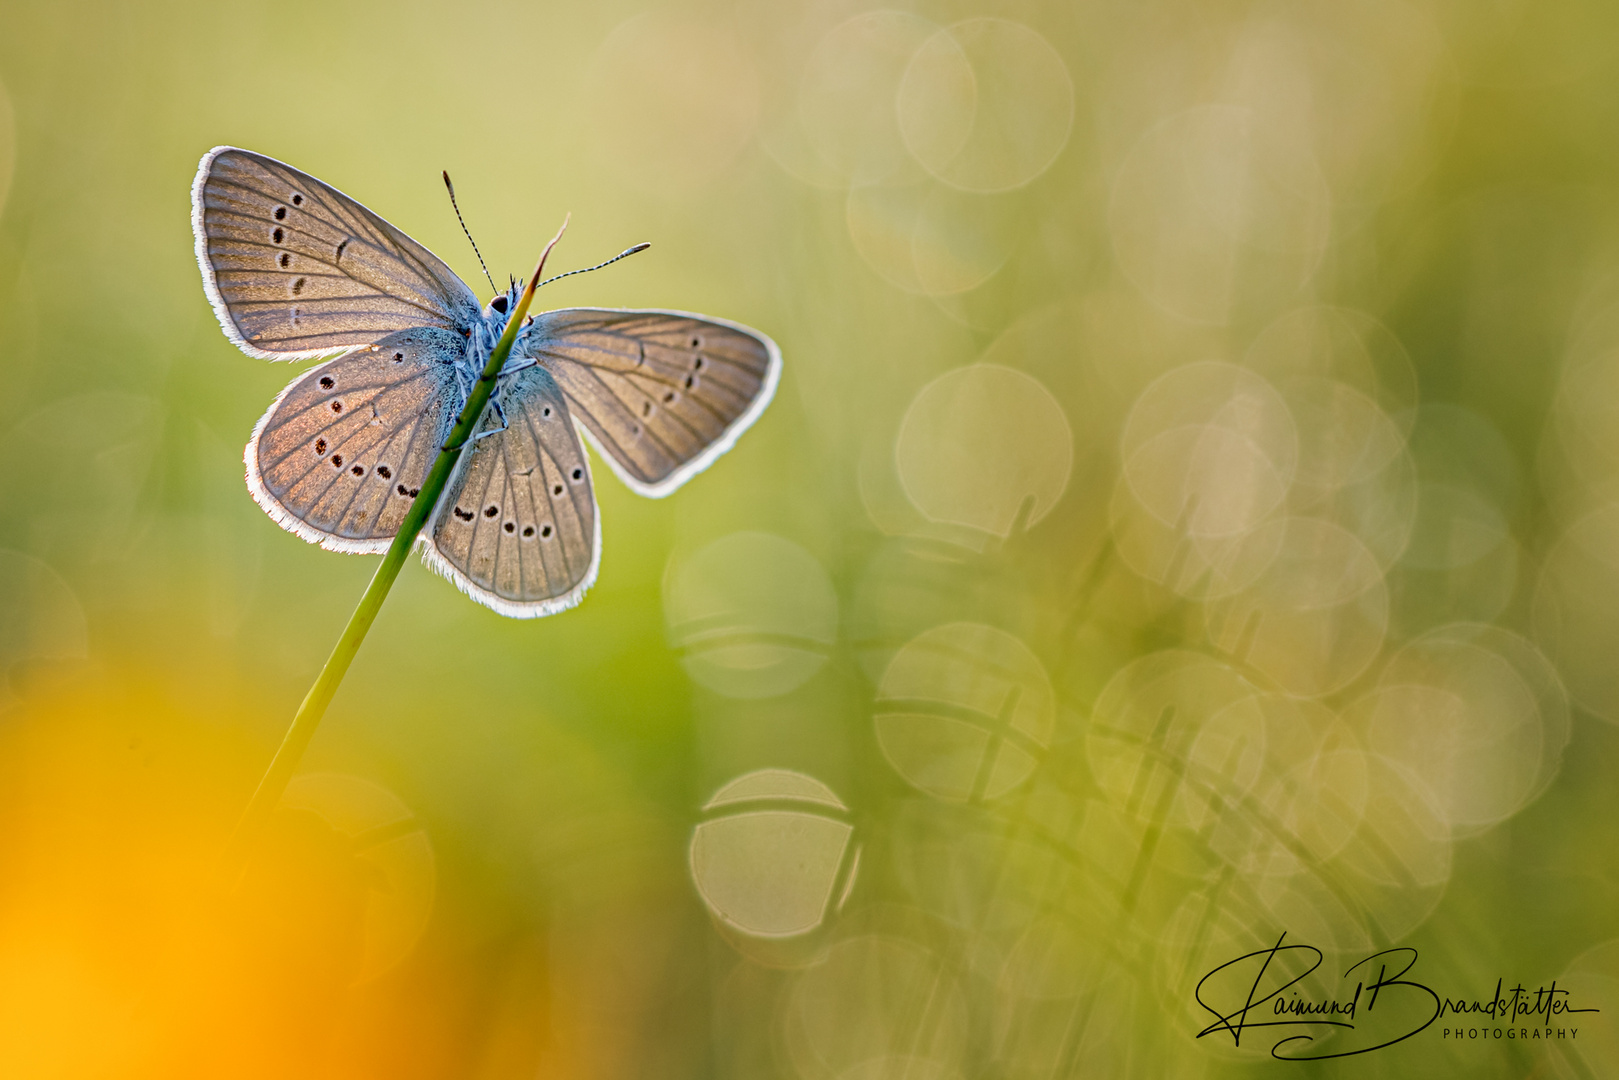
x=498, y=304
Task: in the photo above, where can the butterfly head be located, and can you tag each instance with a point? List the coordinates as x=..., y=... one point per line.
x=496, y=312
x=501, y=304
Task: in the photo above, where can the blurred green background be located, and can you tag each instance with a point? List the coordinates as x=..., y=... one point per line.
x=1188, y=515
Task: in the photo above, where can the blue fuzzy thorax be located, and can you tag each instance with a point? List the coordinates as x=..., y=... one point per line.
x=486, y=331
x=490, y=324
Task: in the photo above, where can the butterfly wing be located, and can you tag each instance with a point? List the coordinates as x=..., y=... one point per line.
x=295, y=268
x=661, y=393
x=519, y=532
x=343, y=451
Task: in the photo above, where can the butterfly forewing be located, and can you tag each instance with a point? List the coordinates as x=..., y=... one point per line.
x=661, y=393
x=342, y=453
x=296, y=268
x=518, y=531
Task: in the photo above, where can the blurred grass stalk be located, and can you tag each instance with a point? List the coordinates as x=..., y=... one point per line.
x=240, y=845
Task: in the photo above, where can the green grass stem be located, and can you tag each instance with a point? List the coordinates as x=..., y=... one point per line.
x=239, y=848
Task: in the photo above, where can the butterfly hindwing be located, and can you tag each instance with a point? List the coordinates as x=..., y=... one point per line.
x=518, y=531
x=295, y=268
x=662, y=393
x=341, y=454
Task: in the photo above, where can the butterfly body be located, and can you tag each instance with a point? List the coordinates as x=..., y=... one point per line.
x=296, y=269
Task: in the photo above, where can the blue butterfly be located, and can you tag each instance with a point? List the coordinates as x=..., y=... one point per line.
x=295, y=269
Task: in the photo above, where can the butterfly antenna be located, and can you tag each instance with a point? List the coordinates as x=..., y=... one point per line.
x=626, y=253
x=470, y=240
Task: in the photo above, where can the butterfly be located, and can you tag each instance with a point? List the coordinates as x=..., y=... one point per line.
x=296, y=269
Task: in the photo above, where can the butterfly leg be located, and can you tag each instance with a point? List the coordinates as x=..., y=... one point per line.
x=516, y=364
x=500, y=412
